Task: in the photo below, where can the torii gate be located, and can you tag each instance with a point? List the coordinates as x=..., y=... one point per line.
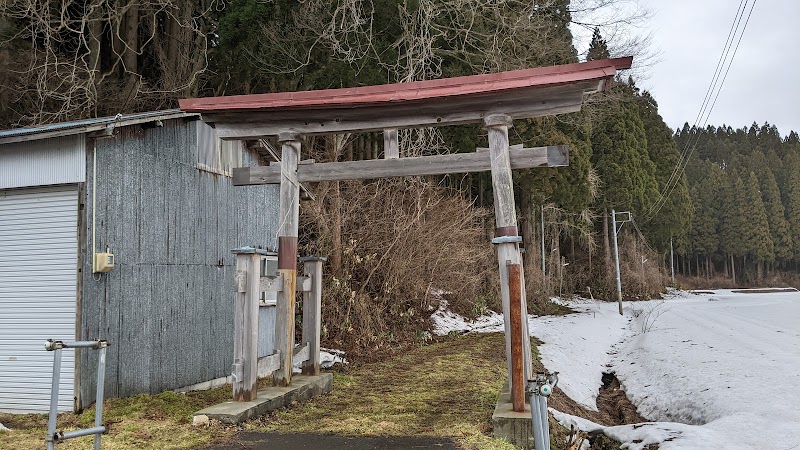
x=493, y=100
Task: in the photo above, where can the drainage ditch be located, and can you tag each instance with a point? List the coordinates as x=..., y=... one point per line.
x=613, y=402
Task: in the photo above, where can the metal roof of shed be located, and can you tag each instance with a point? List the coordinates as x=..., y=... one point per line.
x=519, y=93
x=87, y=125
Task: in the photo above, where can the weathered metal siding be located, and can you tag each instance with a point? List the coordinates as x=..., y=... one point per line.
x=167, y=307
x=58, y=160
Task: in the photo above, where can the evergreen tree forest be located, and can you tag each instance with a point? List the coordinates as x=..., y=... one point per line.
x=744, y=189
x=734, y=211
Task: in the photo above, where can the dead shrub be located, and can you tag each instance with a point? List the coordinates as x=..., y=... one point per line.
x=641, y=272
x=396, y=247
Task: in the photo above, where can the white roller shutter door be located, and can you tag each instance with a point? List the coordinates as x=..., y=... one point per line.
x=38, y=263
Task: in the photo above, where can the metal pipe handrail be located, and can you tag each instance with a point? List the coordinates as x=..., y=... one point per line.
x=54, y=436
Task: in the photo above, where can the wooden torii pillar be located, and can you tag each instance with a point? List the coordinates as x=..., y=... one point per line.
x=509, y=259
x=288, y=221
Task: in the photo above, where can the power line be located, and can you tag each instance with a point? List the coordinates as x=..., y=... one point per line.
x=686, y=154
x=705, y=110
x=725, y=49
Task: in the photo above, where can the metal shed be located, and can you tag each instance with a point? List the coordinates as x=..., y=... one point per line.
x=155, y=189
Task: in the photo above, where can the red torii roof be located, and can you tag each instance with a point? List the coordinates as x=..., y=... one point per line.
x=306, y=111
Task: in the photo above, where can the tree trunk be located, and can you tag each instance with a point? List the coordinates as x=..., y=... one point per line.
x=733, y=270
x=336, y=230
x=726, y=267
x=528, y=233
x=607, y=243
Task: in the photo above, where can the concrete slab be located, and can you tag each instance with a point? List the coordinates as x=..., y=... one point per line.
x=303, y=388
x=514, y=427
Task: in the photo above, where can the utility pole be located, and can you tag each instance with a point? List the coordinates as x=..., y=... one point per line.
x=616, y=251
x=671, y=262
x=544, y=275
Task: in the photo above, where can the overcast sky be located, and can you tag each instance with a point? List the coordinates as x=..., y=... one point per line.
x=764, y=82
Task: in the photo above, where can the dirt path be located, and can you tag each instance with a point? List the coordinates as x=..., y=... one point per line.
x=442, y=394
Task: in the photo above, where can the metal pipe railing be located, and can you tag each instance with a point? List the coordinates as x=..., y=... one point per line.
x=539, y=389
x=53, y=436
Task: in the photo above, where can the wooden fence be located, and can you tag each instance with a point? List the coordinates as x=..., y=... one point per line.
x=258, y=344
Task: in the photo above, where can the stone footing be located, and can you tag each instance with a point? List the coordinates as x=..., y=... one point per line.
x=514, y=427
x=303, y=388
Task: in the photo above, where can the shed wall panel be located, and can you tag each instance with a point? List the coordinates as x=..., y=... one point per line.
x=59, y=160
x=167, y=307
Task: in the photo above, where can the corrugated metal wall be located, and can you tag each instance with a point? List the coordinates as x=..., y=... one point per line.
x=58, y=160
x=167, y=307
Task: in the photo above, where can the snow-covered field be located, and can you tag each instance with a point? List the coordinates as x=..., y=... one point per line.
x=716, y=370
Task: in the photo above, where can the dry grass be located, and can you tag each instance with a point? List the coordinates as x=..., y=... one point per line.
x=444, y=389
x=160, y=421
x=448, y=388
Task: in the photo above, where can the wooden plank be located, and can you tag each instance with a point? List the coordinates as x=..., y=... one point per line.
x=312, y=314
x=245, y=328
x=519, y=104
x=271, y=284
x=275, y=284
x=521, y=158
x=300, y=355
x=269, y=364
x=517, y=359
x=391, y=145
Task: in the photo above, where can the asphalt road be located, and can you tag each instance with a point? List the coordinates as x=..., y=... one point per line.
x=303, y=441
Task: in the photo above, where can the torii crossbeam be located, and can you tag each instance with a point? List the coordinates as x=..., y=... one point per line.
x=493, y=100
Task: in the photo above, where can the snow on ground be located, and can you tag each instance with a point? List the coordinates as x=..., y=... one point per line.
x=592, y=331
x=2, y=428
x=446, y=321
x=328, y=357
x=577, y=346
x=727, y=361
x=719, y=369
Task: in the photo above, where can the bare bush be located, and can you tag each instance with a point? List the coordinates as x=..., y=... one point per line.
x=642, y=274
x=649, y=314
x=403, y=245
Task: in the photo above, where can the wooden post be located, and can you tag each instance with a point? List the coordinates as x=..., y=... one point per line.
x=391, y=146
x=507, y=238
x=287, y=255
x=517, y=346
x=245, y=325
x=312, y=312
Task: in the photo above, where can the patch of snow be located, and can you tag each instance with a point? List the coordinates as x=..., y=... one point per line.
x=446, y=321
x=3, y=428
x=636, y=436
x=328, y=357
